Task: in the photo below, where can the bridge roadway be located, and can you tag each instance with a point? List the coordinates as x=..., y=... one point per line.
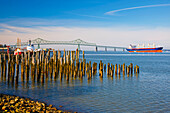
x=77, y=42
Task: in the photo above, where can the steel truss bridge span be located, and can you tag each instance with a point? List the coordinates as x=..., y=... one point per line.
x=78, y=42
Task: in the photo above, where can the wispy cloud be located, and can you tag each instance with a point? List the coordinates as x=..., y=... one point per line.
x=91, y=16
x=130, y=8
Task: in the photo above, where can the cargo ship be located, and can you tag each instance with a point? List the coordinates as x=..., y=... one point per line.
x=143, y=49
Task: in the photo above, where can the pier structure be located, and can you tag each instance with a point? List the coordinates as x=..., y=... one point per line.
x=40, y=66
x=77, y=42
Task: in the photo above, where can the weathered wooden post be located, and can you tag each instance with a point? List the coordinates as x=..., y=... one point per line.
x=115, y=69
x=26, y=70
x=84, y=66
x=17, y=70
x=104, y=67
x=94, y=70
x=33, y=69
x=83, y=54
x=1, y=62
x=12, y=69
x=90, y=69
x=9, y=67
x=112, y=70
x=51, y=68
x=137, y=69
x=76, y=54
x=22, y=68
x=80, y=69
x=123, y=68
x=131, y=68
x=67, y=72
x=119, y=69
x=42, y=71
x=128, y=69
x=101, y=69
x=64, y=57
x=46, y=68
x=108, y=68
x=61, y=71
x=4, y=67
x=38, y=70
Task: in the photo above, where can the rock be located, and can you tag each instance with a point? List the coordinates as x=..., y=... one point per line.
x=22, y=102
x=16, y=99
x=28, y=111
x=54, y=108
x=17, y=104
x=50, y=106
x=4, y=108
x=59, y=111
x=17, y=110
x=43, y=104
x=38, y=109
x=5, y=104
x=12, y=111
x=60, y=106
x=12, y=102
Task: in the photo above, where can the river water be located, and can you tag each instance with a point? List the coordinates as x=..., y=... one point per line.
x=149, y=91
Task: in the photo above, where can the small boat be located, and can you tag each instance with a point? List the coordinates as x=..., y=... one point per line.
x=18, y=51
x=5, y=49
x=133, y=48
x=30, y=48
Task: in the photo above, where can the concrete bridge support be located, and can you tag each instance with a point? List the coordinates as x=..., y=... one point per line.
x=96, y=49
x=105, y=48
x=38, y=46
x=79, y=47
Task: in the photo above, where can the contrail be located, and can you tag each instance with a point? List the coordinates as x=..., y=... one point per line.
x=124, y=9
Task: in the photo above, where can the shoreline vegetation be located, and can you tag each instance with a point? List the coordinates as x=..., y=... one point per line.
x=12, y=103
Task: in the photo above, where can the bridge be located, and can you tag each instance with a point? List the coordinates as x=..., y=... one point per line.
x=77, y=42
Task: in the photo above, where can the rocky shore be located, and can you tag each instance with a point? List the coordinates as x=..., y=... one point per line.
x=14, y=104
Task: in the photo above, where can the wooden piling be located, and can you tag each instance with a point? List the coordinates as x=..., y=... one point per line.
x=84, y=66
x=123, y=68
x=9, y=67
x=105, y=67
x=108, y=68
x=5, y=67
x=17, y=70
x=1, y=62
x=83, y=54
x=115, y=69
x=26, y=70
x=33, y=69
x=22, y=68
x=119, y=69
x=94, y=68
x=112, y=70
x=131, y=68
x=12, y=69
x=101, y=69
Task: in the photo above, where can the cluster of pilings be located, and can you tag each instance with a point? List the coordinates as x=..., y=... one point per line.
x=43, y=66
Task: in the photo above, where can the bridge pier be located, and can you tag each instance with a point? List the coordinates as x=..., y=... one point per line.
x=105, y=48
x=79, y=47
x=38, y=46
x=96, y=49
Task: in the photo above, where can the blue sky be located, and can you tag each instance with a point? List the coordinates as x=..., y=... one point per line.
x=59, y=19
